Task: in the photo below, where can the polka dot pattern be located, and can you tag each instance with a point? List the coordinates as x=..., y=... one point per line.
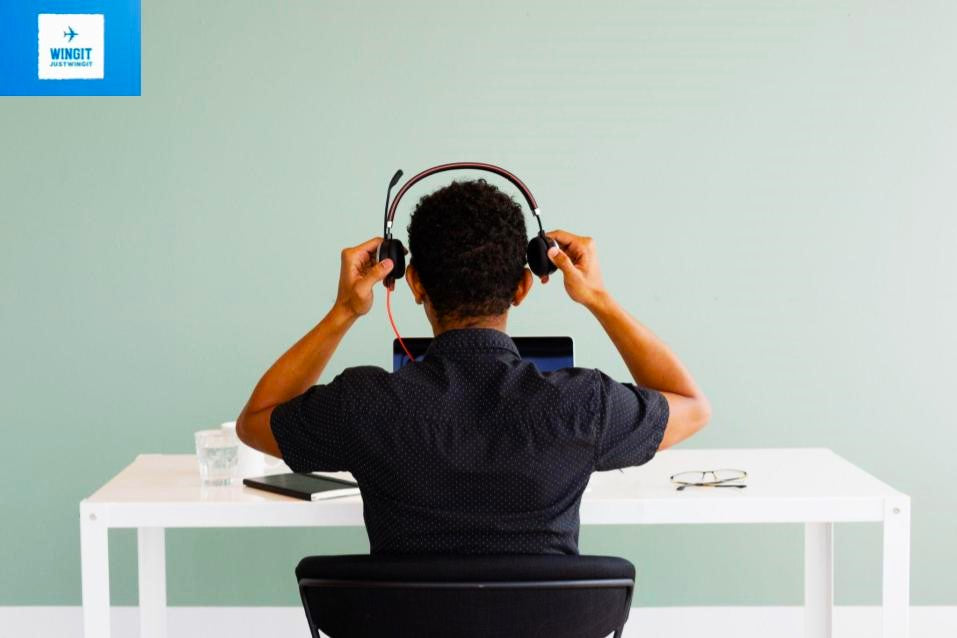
x=471, y=450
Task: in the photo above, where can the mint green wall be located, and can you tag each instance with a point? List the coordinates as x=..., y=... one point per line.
x=771, y=186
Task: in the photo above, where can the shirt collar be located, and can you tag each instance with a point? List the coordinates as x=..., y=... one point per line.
x=472, y=341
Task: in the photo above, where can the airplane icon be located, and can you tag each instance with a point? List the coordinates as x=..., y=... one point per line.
x=71, y=33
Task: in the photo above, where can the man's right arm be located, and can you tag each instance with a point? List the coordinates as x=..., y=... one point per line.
x=652, y=363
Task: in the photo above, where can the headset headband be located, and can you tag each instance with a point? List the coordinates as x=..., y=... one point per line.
x=491, y=168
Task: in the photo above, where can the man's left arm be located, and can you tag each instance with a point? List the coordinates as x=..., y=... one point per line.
x=299, y=368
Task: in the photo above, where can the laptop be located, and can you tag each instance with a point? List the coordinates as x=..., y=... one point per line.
x=548, y=353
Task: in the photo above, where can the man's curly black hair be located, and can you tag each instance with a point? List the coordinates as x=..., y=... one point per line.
x=467, y=243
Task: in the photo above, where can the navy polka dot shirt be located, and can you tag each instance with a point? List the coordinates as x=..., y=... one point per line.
x=471, y=450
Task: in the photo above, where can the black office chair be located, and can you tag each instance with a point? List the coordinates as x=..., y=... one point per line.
x=464, y=596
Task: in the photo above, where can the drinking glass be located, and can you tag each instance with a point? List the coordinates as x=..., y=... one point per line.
x=218, y=455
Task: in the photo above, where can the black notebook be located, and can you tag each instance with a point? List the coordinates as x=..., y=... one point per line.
x=308, y=487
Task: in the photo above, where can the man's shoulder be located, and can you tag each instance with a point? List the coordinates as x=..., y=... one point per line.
x=583, y=387
x=582, y=376
x=573, y=376
x=360, y=385
x=362, y=374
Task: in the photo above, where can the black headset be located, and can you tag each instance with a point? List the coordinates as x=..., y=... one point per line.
x=536, y=254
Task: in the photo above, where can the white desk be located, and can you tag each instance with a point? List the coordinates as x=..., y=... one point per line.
x=811, y=486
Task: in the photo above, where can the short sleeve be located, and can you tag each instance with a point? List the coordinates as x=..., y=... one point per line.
x=633, y=421
x=312, y=431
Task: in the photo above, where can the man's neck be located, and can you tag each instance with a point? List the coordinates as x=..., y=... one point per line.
x=494, y=322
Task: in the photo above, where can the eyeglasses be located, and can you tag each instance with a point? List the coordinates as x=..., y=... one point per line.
x=709, y=478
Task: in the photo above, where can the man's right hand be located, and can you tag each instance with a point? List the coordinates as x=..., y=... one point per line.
x=577, y=259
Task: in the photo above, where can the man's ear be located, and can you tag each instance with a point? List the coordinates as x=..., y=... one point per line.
x=524, y=286
x=412, y=277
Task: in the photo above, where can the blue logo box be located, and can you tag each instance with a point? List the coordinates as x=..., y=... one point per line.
x=41, y=56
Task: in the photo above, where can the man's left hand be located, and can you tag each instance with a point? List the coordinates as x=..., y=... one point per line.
x=358, y=275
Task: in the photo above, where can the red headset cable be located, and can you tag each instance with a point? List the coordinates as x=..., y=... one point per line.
x=388, y=309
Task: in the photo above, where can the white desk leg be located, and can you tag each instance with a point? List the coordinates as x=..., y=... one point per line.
x=818, y=579
x=151, y=555
x=95, y=568
x=896, y=573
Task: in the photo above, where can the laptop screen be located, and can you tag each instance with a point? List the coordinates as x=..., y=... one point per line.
x=548, y=353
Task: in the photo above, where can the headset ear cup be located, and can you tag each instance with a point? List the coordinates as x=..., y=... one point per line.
x=537, y=255
x=394, y=250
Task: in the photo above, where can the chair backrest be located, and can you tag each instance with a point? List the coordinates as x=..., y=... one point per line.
x=521, y=596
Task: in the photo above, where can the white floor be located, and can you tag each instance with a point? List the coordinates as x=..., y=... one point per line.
x=656, y=622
